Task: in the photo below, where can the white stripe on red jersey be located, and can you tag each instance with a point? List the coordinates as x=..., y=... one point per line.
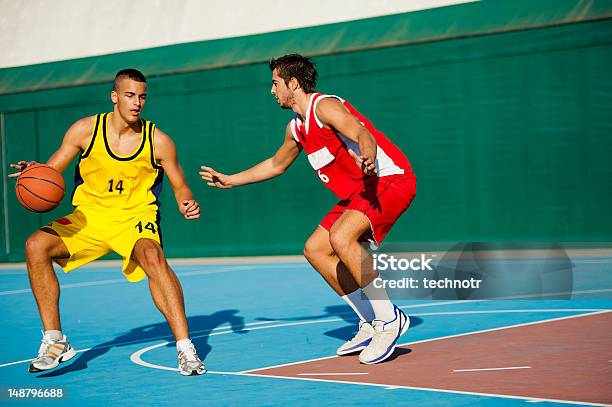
x=328, y=150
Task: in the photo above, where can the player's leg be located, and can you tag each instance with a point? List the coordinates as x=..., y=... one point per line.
x=321, y=256
x=41, y=248
x=375, y=210
x=390, y=322
x=167, y=295
x=344, y=238
x=165, y=288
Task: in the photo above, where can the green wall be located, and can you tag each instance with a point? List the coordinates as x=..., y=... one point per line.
x=509, y=134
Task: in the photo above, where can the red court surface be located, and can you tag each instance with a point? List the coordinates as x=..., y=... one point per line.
x=567, y=359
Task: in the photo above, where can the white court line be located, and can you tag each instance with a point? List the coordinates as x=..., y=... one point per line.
x=123, y=280
x=492, y=368
x=526, y=296
x=446, y=337
x=313, y=322
x=219, y=328
x=575, y=255
x=332, y=374
x=431, y=304
x=509, y=311
x=111, y=266
x=238, y=268
x=241, y=374
x=529, y=399
x=433, y=390
x=265, y=322
x=190, y=261
x=18, y=362
x=136, y=357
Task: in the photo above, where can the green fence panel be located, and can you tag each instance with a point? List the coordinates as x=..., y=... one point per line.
x=509, y=135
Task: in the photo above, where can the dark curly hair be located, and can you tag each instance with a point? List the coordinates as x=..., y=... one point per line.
x=296, y=66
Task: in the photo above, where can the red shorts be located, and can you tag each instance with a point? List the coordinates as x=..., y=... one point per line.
x=382, y=200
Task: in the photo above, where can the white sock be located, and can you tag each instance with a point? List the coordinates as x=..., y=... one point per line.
x=54, y=335
x=360, y=304
x=383, y=307
x=183, y=345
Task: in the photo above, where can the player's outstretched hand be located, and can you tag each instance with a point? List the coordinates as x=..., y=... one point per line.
x=214, y=178
x=365, y=164
x=190, y=209
x=20, y=166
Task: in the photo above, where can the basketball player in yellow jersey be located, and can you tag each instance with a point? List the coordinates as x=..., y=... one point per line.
x=122, y=160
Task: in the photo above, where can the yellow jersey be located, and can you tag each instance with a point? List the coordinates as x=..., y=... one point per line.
x=108, y=182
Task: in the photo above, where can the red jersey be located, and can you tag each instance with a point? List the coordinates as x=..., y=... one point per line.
x=328, y=154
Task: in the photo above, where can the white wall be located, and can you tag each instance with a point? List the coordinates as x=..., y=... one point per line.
x=35, y=31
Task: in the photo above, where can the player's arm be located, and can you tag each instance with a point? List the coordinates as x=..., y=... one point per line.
x=270, y=168
x=76, y=139
x=334, y=114
x=165, y=154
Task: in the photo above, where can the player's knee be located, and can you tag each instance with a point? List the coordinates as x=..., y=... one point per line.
x=150, y=256
x=339, y=241
x=314, y=248
x=36, y=246
x=310, y=249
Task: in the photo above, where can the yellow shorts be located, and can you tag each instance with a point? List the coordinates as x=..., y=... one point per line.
x=90, y=234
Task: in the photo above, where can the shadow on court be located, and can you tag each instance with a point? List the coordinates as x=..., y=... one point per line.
x=397, y=353
x=338, y=311
x=200, y=328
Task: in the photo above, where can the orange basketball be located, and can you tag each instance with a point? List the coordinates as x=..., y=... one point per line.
x=40, y=188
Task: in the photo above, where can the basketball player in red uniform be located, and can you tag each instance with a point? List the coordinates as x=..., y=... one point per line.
x=373, y=180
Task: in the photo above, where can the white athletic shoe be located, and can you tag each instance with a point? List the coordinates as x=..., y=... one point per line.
x=359, y=341
x=51, y=353
x=189, y=362
x=385, y=337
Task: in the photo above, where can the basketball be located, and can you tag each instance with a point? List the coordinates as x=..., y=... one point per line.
x=40, y=188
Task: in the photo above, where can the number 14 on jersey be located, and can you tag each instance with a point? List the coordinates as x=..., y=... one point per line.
x=115, y=186
x=149, y=226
